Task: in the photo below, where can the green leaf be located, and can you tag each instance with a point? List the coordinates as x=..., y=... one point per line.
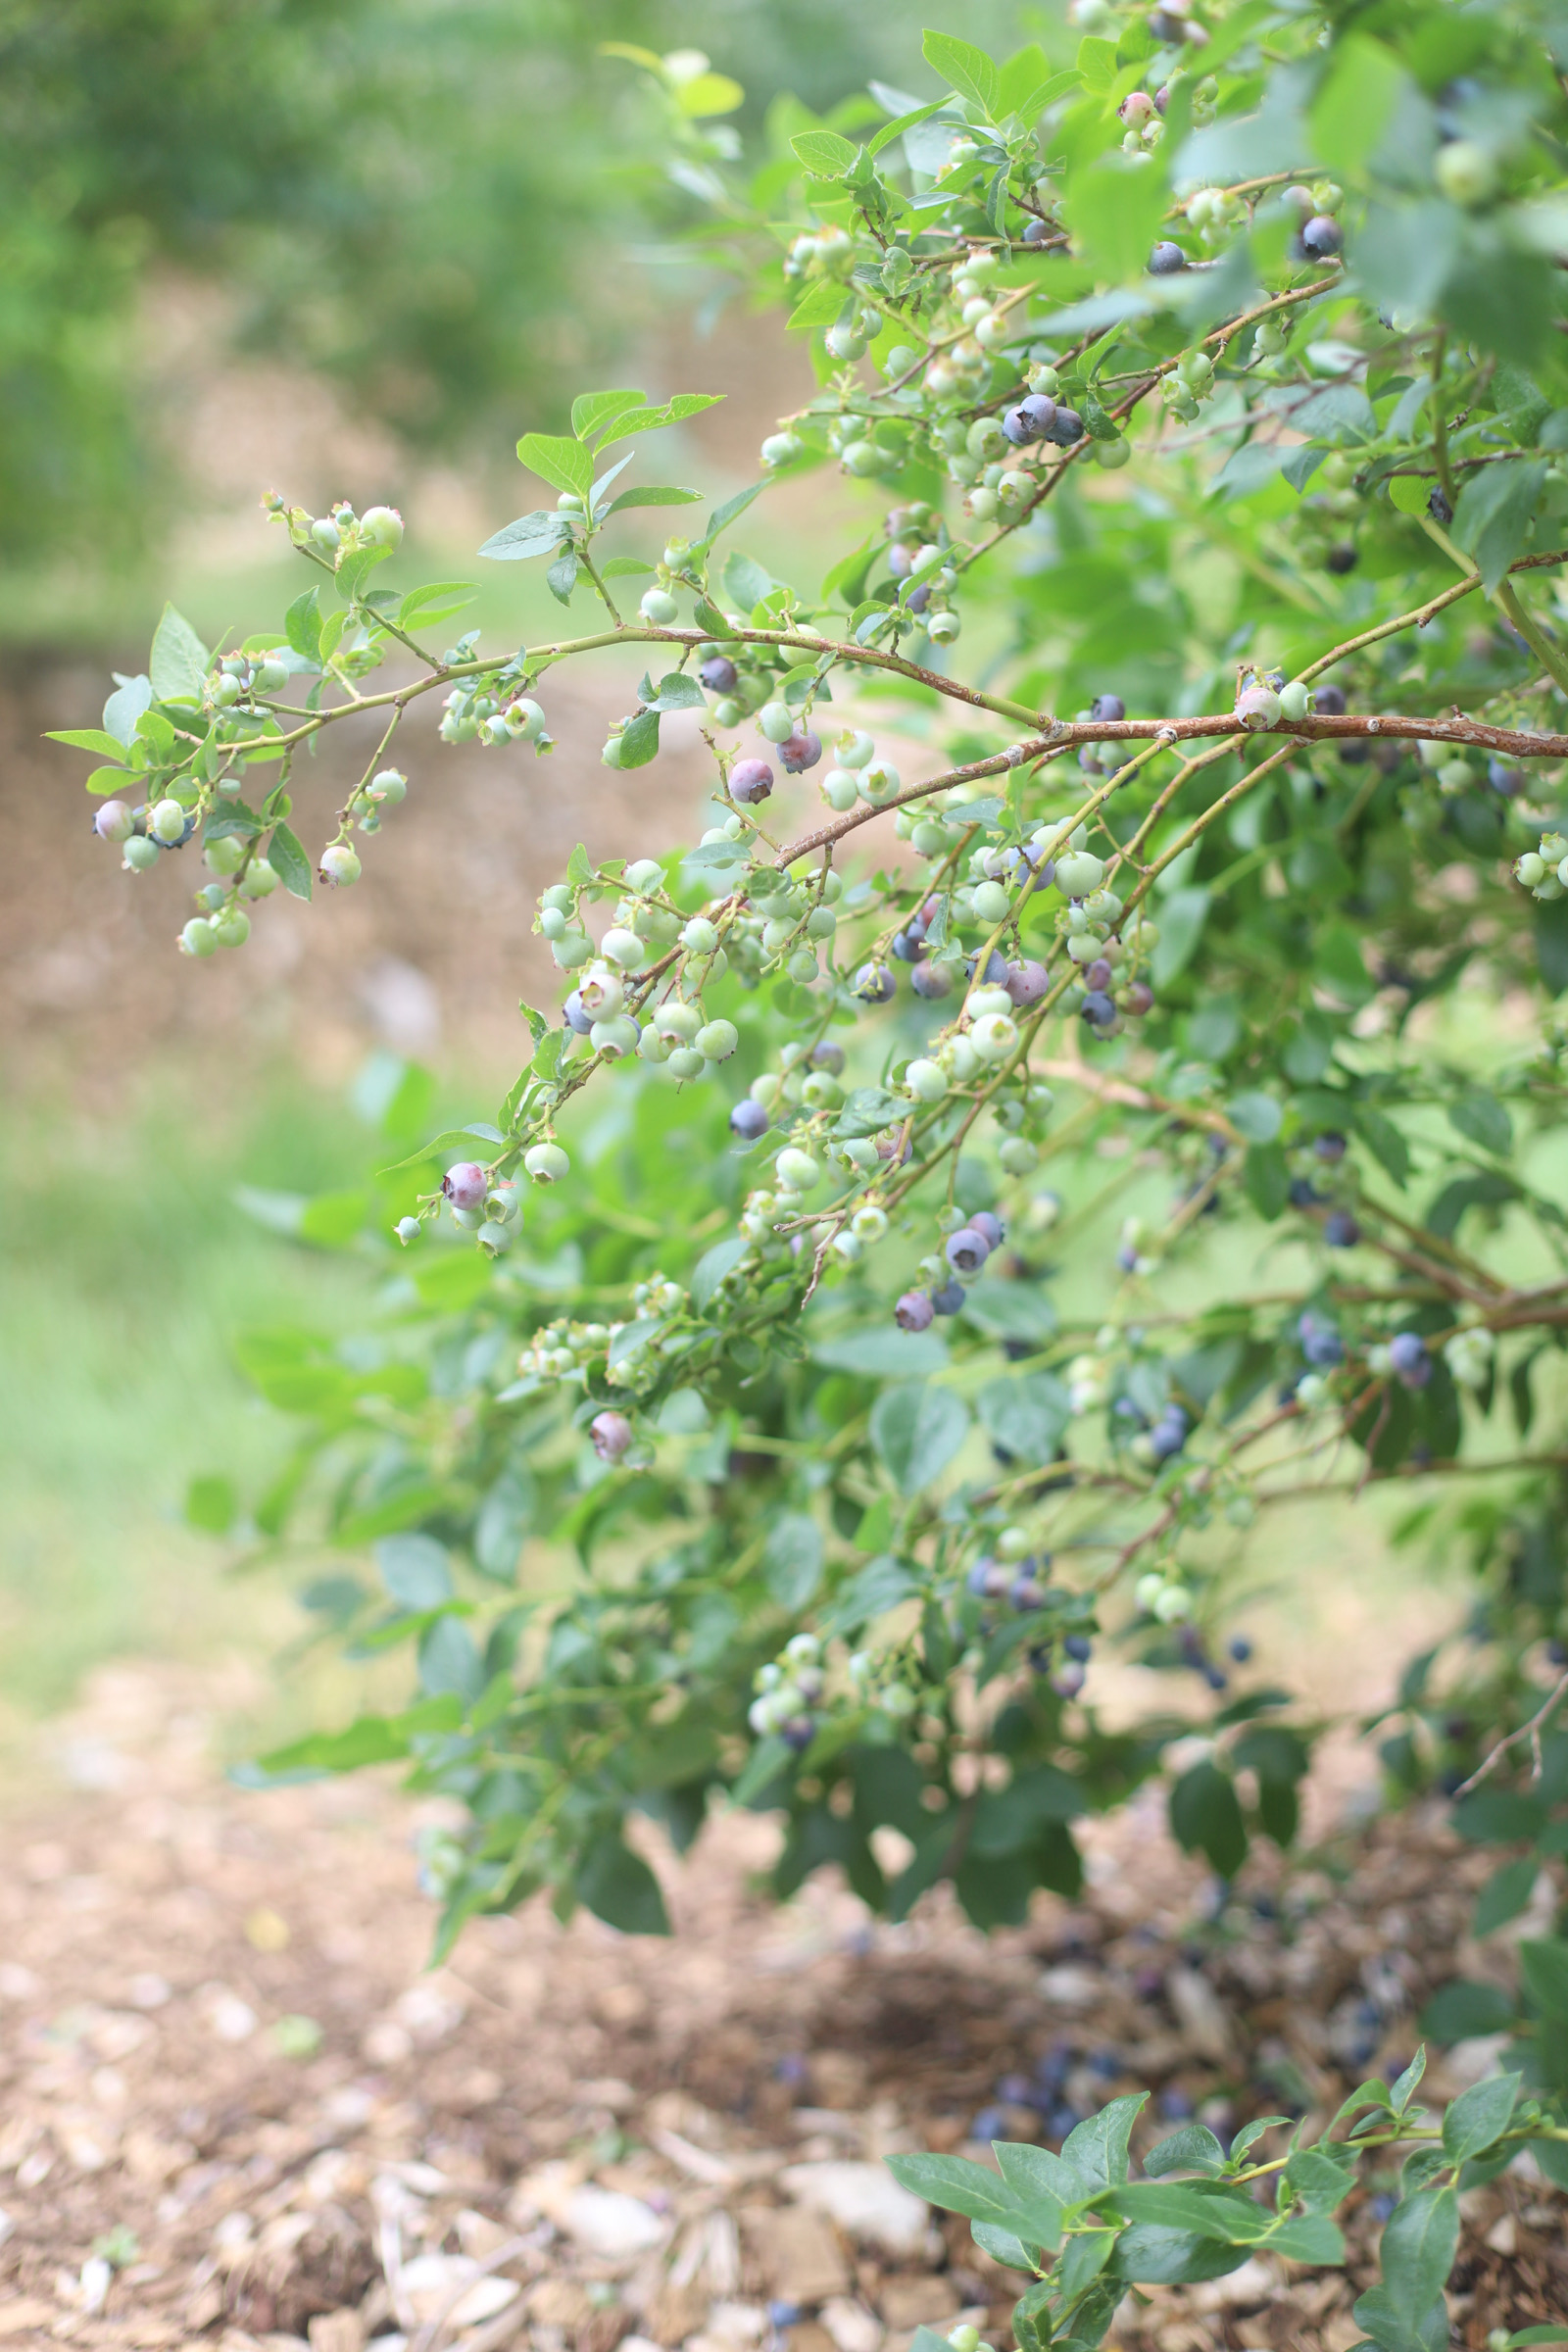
x=415, y=1570
x=1045, y=2187
x=126, y=707
x=823, y=301
x=881, y=1351
x=966, y=68
x=1182, y=918
x=1462, y=2011
x=1025, y=1415
x=178, y=663
x=210, y=1504
x=1504, y=1895
x=1479, y=2117
x=302, y=625
x=1151, y=2256
x=1192, y=2149
x=732, y=507
x=289, y=861
x=1544, y=1967
x=439, y=600
x=505, y=1517
x=1010, y=1310
x=619, y=1888
x=591, y=410
x=565, y=464
x=1266, y=1177
x=712, y=1268
x=660, y=495
x=676, y=692
x=825, y=153
x=1306, y=2237
x=1384, y=1140
x=530, y=535
x=89, y=738
x=1355, y=104
x=1481, y=1118
x=958, y=2185
x=792, y=1560
x=1205, y=1816
x=915, y=1433
x=1258, y=1117
x=561, y=577
x=901, y=124
x=650, y=420
x=1416, y=2251
x=1097, y=2147
x=1492, y=518
x=747, y=582
x=1116, y=206
x=1229, y=2215
x=448, y=1661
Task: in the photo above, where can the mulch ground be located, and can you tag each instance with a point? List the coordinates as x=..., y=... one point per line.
x=236, y=2108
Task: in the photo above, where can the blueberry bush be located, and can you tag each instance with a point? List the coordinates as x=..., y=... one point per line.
x=898, y=1277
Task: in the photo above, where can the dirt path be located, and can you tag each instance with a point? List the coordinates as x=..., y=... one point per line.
x=234, y=2107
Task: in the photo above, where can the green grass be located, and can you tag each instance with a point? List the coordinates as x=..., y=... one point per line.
x=125, y=1269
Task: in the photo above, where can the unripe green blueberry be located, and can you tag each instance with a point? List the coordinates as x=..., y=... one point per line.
x=1529, y=869
x=197, y=938
x=406, y=1230
x=991, y=903
x=1173, y=1603
x=801, y=966
x=1465, y=172
x=165, y=822
x=231, y=927
x=504, y=1200
x=845, y=341
x=340, y=864
x=573, y=952
x=983, y=1001
x=821, y=1091
x=686, y=1061
x=625, y=949
x=983, y=507
x=1294, y=700
x=1079, y=872
x=781, y=449
x=847, y=1247
x=986, y=440
x=211, y=897
x=926, y=1080
x=616, y=1036
x=259, y=880
x=388, y=787
x=698, y=937
x=226, y=856
x=226, y=691
x=870, y=1223
x=717, y=1041
x=943, y=628
x=545, y=1163
x=651, y=1047
x=994, y=1037
x=879, y=783
x=776, y=721
x=658, y=607
x=601, y=991
x=1111, y=455
x=381, y=527
x=797, y=1170
x=643, y=875
x=325, y=533
x=840, y=789
x=728, y=713
x=1019, y=1155
x=271, y=672
x=821, y=923
x=865, y=458
x=470, y=1219
x=551, y=922
x=678, y=1022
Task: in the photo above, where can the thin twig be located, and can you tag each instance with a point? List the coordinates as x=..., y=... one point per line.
x=1530, y=1731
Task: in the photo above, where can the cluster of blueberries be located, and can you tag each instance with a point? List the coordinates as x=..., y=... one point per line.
x=1162, y=1437
x=1044, y=2090
x=1039, y=418
x=1189, y=1641
x=967, y=1251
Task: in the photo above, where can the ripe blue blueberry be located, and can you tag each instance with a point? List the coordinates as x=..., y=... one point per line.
x=931, y=980
x=914, y=1311
x=967, y=1250
x=990, y=1228
x=1321, y=1344
x=799, y=751
x=750, y=781
x=1066, y=427
x=1037, y=232
x=1027, y=982
x=1341, y=1230
x=1321, y=236
x=718, y=674
x=826, y=1055
x=1503, y=779
x=1329, y=1146
x=1328, y=702
x=949, y=1299
x=995, y=974
x=1024, y=1594
x=1019, y=427
x=748, y=1120
x=1407, y=1353
x=874, y=984
x=1107, y=707
x=576, y=1014
x=1040, y=411
x=1166, y=258
x=1241, y=1650
x=466, y=1184
x=1077, y=1647
x=1098, y=1009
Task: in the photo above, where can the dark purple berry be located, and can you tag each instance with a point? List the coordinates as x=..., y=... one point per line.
x=751, y=780
x=1107, y=706
x=1438, y=507
x=1321, y=1344
x=1098, y=1009
x=1342, y=558
x=995, y=974
x=1078, y=1647
x=1140, y=998
x=466, y=1184
x=990, y=2123
x=1040, y=411
x=967, y=1250
x=748, y=1120
x=1329, y=1146
x=1241, y=1650
x=826, y=1055
x=799, y=1733
x=1329, y=702
x=1341, y=1230
x=1509, y=781
x=1026, y=983
x=900, y=558
x=1166, y=258
x=993, y=1229
x=1098, y=975
x=782, y=2315
x=919, y=598
x=1066, y=427
x=799, y=751
x=1024, y=1594
x=572, y=1013
x=1019, y=427
x=718, y=674
x=1037, y=232
x=914, y=1311
x=931, y=979
x=610, y=1434
x=1322, y=236
x=907, y=944
x=874, y=984
x=1407, y=1353
x=949, y=1299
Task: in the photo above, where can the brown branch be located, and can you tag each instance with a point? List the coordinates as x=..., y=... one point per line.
x=1530, y=1731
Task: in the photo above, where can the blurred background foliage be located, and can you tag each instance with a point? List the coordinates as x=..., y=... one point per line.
x=447, y=207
